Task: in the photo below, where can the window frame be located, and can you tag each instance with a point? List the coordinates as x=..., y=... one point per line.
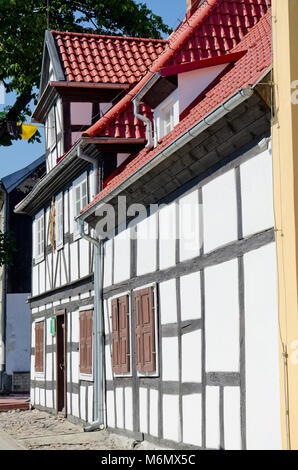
x=78, y=183
x=39, y=255
x=84, y=375
x=169, y=105
x=59, y=201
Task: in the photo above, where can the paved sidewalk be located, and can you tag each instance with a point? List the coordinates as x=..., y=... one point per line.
x=7, y=443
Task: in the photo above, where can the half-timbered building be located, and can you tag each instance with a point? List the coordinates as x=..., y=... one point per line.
x=164, y=237
x=189, y=294
x=82, y=77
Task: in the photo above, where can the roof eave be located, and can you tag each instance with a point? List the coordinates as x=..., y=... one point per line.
x=228, y=105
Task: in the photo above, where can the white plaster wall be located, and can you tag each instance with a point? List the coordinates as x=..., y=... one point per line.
x=143, y=404
x=220, y=211
x=146, y=245
x=128, y=408
x=261, y=350
x=17, y=333
x=232, y=420
x=119, y=407
x=42, y=276
x=192, y=419
x=83, y=402
x=80, y=113
x=191, y=84
x=167, y=236
x=110, y=409
x=84, y=257
x=75, y=404
x=108, y=263
x=212, y=418
x=49, y=399
x=189, y=226
x=170, y=356
x=122, y=256
x=168, y=301
x=191, y=344
x=154, y=412
x=74, y=270
x=90, y=404
x=222, y=317
x=171, y=426
x=257, y=194
x=190, y=296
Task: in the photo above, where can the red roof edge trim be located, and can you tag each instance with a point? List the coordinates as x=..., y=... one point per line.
x=201, y=64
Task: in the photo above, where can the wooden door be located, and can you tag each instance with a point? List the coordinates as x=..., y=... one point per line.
x=61, y=362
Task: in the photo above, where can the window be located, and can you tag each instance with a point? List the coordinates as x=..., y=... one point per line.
x=39, y=346
x=86, y=332
x=145, y=330
x=167, y=119
x=80, y=197
x=39, y=226
x=120, y=335
x=59, y=221
x=51, y=130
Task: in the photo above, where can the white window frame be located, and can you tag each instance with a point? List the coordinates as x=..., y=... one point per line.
x=51, y=134
x=168, y=106
x=59, y=221
x=39, y=222
x=82, y=376
x=171, y=102
x=78, y=184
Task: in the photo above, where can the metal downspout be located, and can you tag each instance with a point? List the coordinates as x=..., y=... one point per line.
x=3, y=309
x=147, y=121
x=94, y=161
x=98, y=350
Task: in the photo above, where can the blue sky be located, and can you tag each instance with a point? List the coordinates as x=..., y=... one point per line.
x=21, y=153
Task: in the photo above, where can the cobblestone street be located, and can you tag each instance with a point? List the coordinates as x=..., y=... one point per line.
x=38, y=430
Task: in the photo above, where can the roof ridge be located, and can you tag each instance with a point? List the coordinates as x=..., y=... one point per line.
x=132, y=38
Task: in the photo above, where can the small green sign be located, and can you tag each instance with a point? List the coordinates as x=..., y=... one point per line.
x=53, y=326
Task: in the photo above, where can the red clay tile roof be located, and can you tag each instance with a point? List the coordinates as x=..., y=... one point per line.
x=246, y=71
x=105, y=59
x=127, y=126
x=214, y=29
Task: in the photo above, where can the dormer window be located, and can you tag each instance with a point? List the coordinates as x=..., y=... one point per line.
x=167, y=118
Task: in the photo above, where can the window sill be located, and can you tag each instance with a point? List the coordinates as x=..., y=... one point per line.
x=39, y=375
x=86, y=377
x=39, y=259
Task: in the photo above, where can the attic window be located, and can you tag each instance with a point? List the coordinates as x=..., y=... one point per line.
x=167, y=119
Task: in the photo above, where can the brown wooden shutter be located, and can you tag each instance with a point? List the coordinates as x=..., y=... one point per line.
x=144, y=330
x=86, y=333
x=120, y=335
x=124, y=346
x=39, y=346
